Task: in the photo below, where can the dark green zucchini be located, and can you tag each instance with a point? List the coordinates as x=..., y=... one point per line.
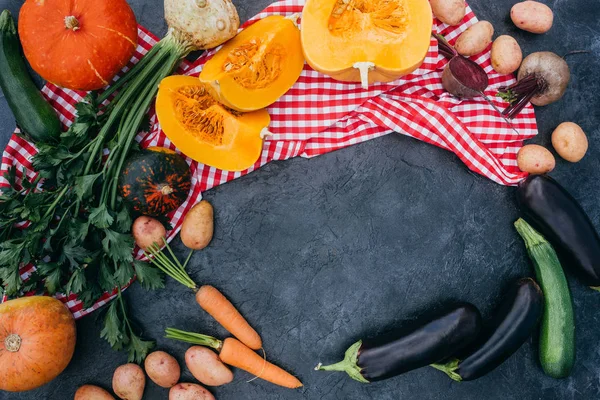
x=557, y=334
x=34, y=115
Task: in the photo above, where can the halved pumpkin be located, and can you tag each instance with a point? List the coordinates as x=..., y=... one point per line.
x=366, y=40
x=205, y=130
x=258, y=66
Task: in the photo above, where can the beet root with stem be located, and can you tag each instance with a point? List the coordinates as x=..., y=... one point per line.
x=542, y=79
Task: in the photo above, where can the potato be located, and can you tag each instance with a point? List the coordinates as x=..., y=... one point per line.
x=189, y=391
x=570, y=141
x=450, y=12
x=506, y=55
x=532, y=16
x=535, y=159
x=147, y=231
x=163, y=369
x=475, y=39
x=91, y=392
x=198, y=226
x=129, y=382
x=206, y=366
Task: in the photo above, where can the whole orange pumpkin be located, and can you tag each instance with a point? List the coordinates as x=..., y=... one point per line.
x=37, y=340
x=78, y=44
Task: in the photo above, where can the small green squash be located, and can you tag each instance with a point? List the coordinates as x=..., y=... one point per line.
x=155, y=181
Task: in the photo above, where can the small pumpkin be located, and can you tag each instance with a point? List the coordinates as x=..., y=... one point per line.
x=37, y=341
x=78, y=45
x=155, y=181
x=258, y=66
x=205, y=130
x=366, y=40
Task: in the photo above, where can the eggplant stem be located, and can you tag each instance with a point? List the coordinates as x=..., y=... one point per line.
x=348, y=365
x=450, y=369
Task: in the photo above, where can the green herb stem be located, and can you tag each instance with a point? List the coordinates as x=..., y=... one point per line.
x=194, y=338
x=174, y=269
x=129, y=75
x=55, y=202
x=130, y=93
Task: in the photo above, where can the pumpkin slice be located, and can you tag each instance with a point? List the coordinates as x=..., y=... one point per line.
x=254, y=69
x=207, y=131
x=366, y=40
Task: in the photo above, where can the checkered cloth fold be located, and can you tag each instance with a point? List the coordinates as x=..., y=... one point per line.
x=319, y=115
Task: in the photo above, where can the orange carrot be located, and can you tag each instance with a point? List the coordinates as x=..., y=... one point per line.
x=221, y=309
x=236, y=354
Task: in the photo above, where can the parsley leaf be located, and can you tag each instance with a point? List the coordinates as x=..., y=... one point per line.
x=138, y=349
x=119, y=246
x=75, y=254
x=124, y=273
x=84, y=185
x=77, y=282
x=124, y=220
x=53, y=276
x=12, y=280
x=106, y=277
x=78, y=230
x=149, y=277
x=113, y=328
x=100, y=217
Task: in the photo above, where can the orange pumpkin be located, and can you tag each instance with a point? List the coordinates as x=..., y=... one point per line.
x=366, y=40
x=78, y=44
x=37, y=340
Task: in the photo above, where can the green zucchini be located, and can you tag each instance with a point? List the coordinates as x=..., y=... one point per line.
x=557, y=333
x=34, y=115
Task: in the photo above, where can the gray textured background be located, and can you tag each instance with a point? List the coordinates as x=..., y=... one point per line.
x=318, y=253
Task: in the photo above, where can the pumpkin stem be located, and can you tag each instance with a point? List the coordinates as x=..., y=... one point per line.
x=265, y=133
x=166, y=190
x=12, y=342
x=72, y=23
x=364, y=68
x=294, y=18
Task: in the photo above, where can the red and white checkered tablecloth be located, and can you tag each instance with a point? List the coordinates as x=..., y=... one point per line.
x=319, y=115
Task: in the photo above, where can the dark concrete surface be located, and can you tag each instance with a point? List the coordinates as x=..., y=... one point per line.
x=319, y=253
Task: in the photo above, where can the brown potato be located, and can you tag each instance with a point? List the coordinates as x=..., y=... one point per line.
x=91, y=392
x=147, y=231
x=475, y=39
x=532, y=16
x=129, y=382
x=198, y=226
x=506, y=55
x=189, y=391
x=450, y=12
x=163, y=369
x=206, y=366
x=570, y=141
x=535, y=159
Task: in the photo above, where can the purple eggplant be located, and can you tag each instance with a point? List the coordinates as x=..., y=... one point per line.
x=560, y=218
x=514, y=323
x=429, y=342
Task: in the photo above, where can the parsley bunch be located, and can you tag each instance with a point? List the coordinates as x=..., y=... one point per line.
x=76, y=228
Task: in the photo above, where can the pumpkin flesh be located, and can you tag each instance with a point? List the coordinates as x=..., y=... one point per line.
x=383, y=39
x=78, y=44
x=205, y=130
x=37, y=341
x=258, y=66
